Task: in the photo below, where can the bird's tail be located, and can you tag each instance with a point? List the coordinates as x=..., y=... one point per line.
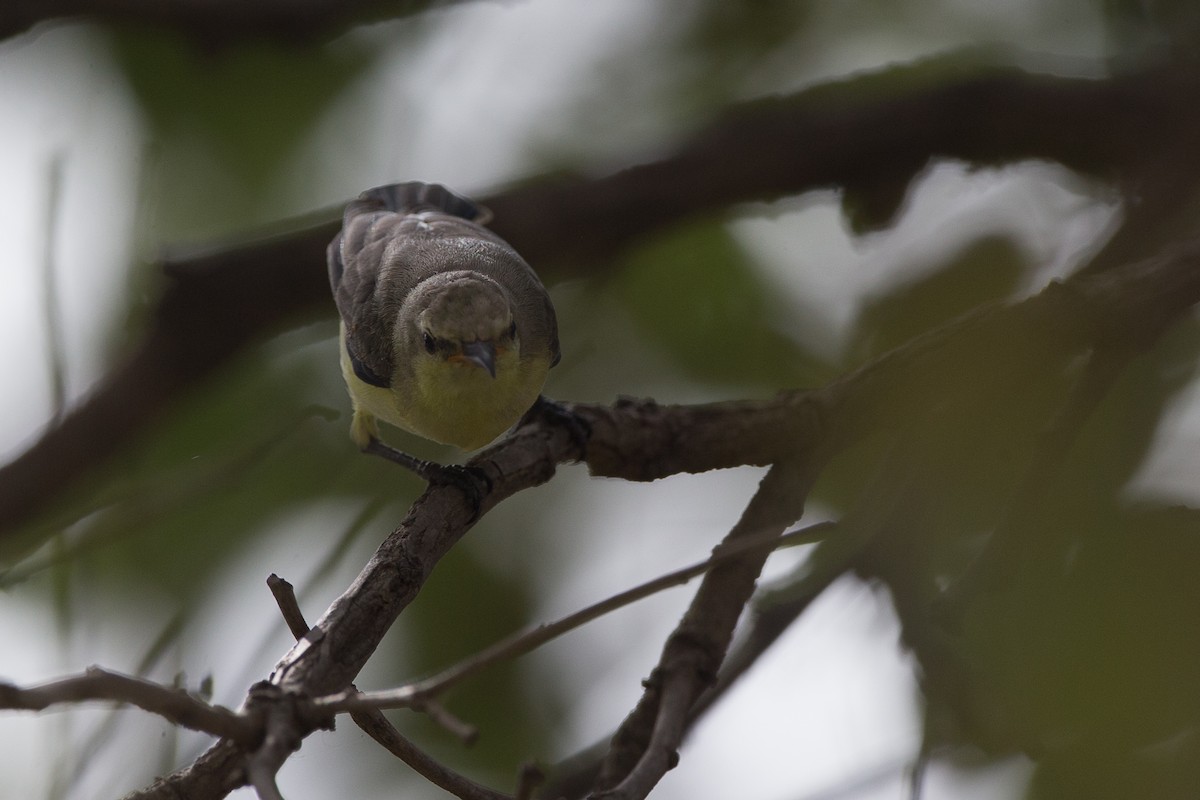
x=415, y=196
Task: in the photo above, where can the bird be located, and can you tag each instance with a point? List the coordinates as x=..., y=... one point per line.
x=446, y=332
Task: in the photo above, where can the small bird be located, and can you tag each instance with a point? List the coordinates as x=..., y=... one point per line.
x=446, y=332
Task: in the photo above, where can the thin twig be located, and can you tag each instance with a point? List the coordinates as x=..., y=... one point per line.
x=285, y=597
x=102, y=736
x=464, y=731
x=373, y=722
x=781, y=603
x=376, y=725
x=521, y=643
x=645, y=744
x=172, y=704
x=774, y=609
x=417, y=693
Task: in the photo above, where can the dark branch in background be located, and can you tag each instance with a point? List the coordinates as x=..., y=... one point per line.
x=1071, y=318
x=217, y=22
x=211, y=308
x=852, y=134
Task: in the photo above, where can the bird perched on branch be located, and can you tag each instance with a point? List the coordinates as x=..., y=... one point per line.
x=446, y=332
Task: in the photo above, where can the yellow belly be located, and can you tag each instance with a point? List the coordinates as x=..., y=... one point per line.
x=449, y=402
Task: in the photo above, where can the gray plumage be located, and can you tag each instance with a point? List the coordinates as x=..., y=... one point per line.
x=393, y=238
x=420, y=282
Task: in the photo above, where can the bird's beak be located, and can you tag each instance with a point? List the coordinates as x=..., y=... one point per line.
x=481, y=354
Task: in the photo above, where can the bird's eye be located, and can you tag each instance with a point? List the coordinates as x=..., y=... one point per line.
x=512, y=329
x=427, y=340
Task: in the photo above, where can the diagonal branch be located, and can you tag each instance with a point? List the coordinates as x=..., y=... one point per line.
x=773, y=609
x=645, y=745
x=416, y=694
x=373, y=722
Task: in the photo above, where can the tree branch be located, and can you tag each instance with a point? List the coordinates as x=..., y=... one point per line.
x=174, y=705
x=418, y=693
x=376, y=725
x=645, y=745
x=373, y=722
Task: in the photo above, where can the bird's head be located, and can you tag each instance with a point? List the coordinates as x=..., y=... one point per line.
x=463, y=321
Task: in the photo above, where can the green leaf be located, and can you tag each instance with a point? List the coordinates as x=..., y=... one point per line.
x=695, y=293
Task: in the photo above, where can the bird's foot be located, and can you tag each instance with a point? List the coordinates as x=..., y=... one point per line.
x=556, y=413
x=471, y=481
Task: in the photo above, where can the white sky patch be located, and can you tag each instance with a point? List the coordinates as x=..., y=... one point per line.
x=63, y=99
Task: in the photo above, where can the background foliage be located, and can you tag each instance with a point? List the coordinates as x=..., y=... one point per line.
x=128, y=137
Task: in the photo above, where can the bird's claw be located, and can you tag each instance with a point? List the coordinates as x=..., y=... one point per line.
x=473, y=482
x=556, y=413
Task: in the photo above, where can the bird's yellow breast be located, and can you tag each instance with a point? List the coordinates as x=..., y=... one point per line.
x=450, y=402
x=460, y=404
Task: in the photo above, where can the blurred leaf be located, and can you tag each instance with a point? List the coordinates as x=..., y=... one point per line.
x=990, y=268
x=726, y=42
x=243, y=449
x=1126, y=424
x=1150, y=29
x=695, y=293
x=1085, y=664
x=249, y=103
x=963, y=407
x=465, y=606
x=223, y=122
x=1077, y=658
